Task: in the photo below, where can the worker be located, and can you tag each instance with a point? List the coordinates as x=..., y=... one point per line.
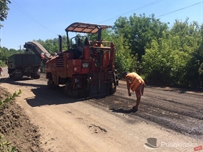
x=136, y=84
x=80, y=48
x=55, y=54
x=42, y=55
x=87, y=43
x=1, y=70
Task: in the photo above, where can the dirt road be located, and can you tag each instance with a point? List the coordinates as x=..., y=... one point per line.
x=173, y=117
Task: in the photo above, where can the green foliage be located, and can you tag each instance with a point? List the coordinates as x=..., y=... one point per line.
x=106, y=35
x=5, y=53
x=139, y=31
x=124, y=60
x=175, y=57
x=52, y=45
x=5, y=146
x=8, y=99
x=194, y=73
x=4, y=9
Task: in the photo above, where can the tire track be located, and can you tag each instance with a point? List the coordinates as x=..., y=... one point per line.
x=173, y=114
x=181, y=112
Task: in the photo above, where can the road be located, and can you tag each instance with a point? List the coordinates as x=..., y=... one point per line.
x=171, y=116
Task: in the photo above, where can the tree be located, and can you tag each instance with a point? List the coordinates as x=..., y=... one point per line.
x=175, y=58
x=124, y=61
x=5, y=53
x=52, y=45
x=194, y=75
x=4, y=9
x=139, y=31
x=106, y=35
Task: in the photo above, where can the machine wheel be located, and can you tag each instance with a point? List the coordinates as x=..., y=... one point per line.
x=75, y=93
x=37, y=76
x=10, y=72
x=69, y=90
x=13, y=76
x=112, y=89
x=51, y=84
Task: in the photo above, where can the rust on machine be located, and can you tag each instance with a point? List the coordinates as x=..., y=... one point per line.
x=85, y=27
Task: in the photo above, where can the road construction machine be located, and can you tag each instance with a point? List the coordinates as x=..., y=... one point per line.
x=87, y=68
x=38, y=49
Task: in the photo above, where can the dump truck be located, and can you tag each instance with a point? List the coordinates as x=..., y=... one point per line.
x=20, y=65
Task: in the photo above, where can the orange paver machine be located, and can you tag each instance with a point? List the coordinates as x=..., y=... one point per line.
x=87, y=67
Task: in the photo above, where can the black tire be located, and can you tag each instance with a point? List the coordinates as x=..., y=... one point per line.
x=35, y=75
x=32, y=75
x=17, y=76
x=112, y=89
x=13, y=76
x=69, y=91
x=51, y=84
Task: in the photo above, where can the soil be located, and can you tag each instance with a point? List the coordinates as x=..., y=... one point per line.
x=47, y=120
x=16, y=126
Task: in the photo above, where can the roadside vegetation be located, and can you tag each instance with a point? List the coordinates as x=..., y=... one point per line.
x=5, y=146
x=9, y=98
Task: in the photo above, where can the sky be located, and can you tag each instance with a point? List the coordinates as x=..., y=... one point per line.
x=30, y=20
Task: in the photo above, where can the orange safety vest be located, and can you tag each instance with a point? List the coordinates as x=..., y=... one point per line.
x=136, y=80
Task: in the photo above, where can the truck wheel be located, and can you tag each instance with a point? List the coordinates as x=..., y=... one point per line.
x=32, y=75
x=13, y=76
x=17, y=76
x=37, y=76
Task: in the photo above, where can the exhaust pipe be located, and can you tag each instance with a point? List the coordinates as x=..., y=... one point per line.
x=60, y=43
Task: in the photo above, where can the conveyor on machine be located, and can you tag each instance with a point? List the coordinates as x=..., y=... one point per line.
x=38, y=49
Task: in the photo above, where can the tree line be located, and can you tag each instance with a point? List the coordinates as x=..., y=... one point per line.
x=161, y=54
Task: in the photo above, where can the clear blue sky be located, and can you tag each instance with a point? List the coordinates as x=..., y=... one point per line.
x=29, y=20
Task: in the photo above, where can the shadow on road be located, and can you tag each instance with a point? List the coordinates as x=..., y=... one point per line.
x=42, y=94
x=46, y=96
x=19, y=82
x=123, y=110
